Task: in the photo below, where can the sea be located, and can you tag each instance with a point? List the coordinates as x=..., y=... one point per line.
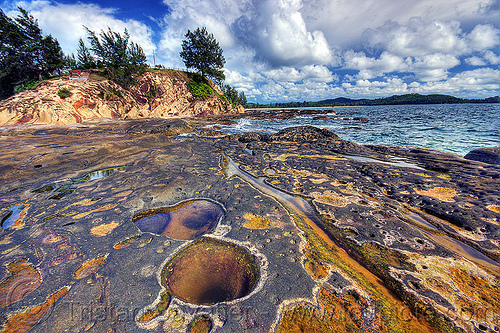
x=456, y=128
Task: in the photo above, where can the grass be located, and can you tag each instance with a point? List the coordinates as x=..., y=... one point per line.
x=64, y=92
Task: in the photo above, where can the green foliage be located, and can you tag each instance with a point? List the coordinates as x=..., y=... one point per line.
x=201, y=51
x=233, y=96
x=64, y=92
x=113, y=91
x=85, y=60
x=25, y=53
x=120, y=58
x=152, y=93
x=26, y=86
x=200, y=89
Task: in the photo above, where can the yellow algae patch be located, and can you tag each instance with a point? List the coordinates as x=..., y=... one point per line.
x=329, y=198
x=6, y=240
x=100, y=209
x=125, y=243
x=467, y=287
x=333, y=313
x=421, y=174
x=256, y=222
x=200, y=324
x=123, y=194
x=317, y=181
x=443, y=176
x=90, y=266
x=442, y=193
x=104, y=229
x=22, y=279
x=160, y=308
x=313, y=265
x=24, y=321
x=494, y=208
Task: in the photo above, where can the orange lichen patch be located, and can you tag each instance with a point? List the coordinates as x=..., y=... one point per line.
x=123, y=194
x=125, y=243
x=477, y=288
x=313, y=265
x=52, y=239
x=442, y=193
x=381, y=255
x=90, y=267
x=104, y=229
x=464, y=285
x=256, y=222
x=334, y=313
x=329, y=198
x=200, y=324
x=494, y=208
x=24, y=321
x=317, y=181
x=6, y=240
x=160, y=309
x=22, y=279
x=100, y=209
x=466, y=205
x=59, y=260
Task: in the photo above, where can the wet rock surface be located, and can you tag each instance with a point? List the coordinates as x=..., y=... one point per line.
x=314, y=233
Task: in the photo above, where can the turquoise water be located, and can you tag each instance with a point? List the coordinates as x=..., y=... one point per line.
x=453, y=128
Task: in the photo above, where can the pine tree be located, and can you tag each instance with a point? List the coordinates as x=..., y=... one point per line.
x=120, y=58
x=25, y=54
x=201, y=51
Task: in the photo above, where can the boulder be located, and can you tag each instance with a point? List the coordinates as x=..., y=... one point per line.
x=490, y=155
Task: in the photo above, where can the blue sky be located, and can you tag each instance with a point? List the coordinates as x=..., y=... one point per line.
x=295, y=50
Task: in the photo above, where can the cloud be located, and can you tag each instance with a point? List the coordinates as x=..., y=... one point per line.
x=475, y=61
x=483, y=37
x=372, y=67
x=66, y=21
x=311, y=73
x=492, y=58
x=278, y=50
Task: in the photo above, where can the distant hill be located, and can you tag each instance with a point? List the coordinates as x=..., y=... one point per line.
x=408, y=99
x=392, y=100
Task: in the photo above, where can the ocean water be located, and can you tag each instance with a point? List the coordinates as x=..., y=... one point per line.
x=457, y=128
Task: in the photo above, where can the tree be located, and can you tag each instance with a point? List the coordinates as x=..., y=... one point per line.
x=120, y=58
x=25, y=54
x=233, y=96
x=85, y=60
x=201, y=51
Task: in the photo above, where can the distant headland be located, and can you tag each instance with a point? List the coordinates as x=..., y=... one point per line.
x=392, y=100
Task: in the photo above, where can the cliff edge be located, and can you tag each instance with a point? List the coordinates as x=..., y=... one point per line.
x=158, y=93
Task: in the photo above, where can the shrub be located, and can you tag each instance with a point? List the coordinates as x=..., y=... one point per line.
x=64, y=92
x=200, y=89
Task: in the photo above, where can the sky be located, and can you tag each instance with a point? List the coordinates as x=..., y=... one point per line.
x=307, y=50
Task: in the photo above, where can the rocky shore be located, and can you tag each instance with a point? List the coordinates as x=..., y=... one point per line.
x=298, y=231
